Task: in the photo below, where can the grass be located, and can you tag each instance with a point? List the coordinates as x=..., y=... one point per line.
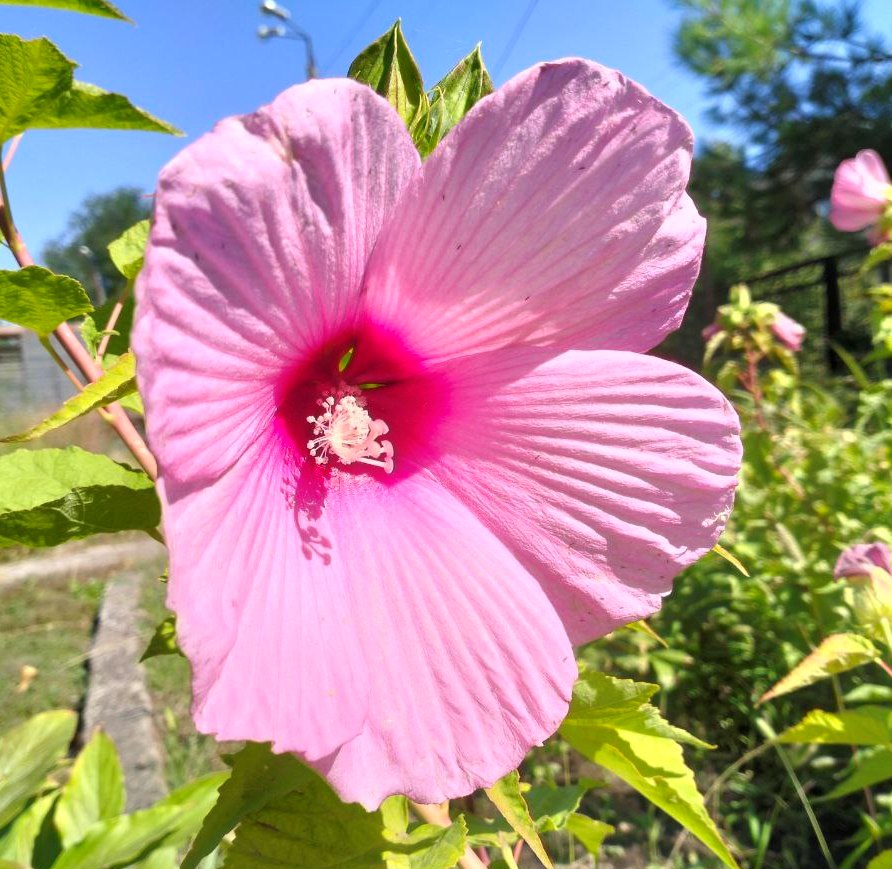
x=189, y=753
x=46, y=625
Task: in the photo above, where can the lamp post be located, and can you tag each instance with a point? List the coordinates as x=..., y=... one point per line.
x=287, y=29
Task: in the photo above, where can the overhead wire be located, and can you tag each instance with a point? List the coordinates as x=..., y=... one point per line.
x=363, y=19
x=515, y=36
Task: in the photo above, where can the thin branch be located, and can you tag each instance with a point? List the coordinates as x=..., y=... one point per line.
x=13, y=147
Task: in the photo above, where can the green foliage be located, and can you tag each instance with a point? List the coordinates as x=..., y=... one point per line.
x=28, y=753
x=38, y=91
x=871, y=767
x=387, y=65
x=164, y=640
x=452, y=98
x=89, y=7
x=836, y=654
x=37, y=299
x=118, y=382
x=611, y=723
x=94, y=791
x=507, y=798
x=53, y=495
x=127, y=251
x=288, y=815
x=85, y=249
x=867, y=725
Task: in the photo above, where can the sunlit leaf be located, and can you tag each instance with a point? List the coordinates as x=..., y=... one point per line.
x=128, y=250
x=836, y=654
x=17, y=840
x=611, y=723
x=53, y=495
x=164, y=640
x=388, y=67
x=89, y=7
x=94, y=790
x=871, y=767
x=506, y=796
x=866, y=725
x=28, y=753
x=589, y=831
x=114, y=385
x=39, y=300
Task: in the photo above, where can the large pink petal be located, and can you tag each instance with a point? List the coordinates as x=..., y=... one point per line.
x=553, y=214
x=605, y=472
x=382, y=632
x=260, y=238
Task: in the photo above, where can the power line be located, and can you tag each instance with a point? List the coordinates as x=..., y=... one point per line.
x=354, y=32
x=515, y=36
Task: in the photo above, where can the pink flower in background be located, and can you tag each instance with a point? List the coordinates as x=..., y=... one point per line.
x=410, y=448
x=861, y=192
x=788, y=331
x=861, y=559
x=710, y=331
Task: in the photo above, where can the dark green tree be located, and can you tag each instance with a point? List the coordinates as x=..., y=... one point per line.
x=82, y=251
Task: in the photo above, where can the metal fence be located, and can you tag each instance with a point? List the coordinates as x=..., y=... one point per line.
x=28, y=376
x=827, y=295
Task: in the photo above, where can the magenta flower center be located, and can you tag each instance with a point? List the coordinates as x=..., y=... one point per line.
x=344, y=429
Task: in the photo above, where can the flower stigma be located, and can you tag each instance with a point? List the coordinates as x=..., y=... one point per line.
x=346, y=430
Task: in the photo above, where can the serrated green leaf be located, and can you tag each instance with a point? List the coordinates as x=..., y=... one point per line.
x=123, y=840
x=867, y=725
x=38, y=91
x=428, y=847
x=258, y=777
x=164, y=640
x=388, y=67
x=94, y=790
x=88, y=7
x=17, y=840
x=837, y=653
x=871, y=767
x=53, y=495
x=451, y=99
x=28, y=753
x=611, y=723
x=39, y=300
x=115, y=384
x=507, y=798
x=590, y=832
x=128, y=250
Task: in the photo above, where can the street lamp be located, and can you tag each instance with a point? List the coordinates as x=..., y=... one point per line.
x=287, y=30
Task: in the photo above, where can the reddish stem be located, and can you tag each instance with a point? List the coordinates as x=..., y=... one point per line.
x=76, y=351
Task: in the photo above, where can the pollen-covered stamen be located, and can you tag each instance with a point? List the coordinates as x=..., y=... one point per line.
x=345, y=429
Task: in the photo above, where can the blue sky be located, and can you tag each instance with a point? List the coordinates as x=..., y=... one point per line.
x=193, y=62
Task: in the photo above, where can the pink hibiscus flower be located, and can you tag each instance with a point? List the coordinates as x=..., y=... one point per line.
x=409, y=449
x=861, y=559
x=861, y=193
x=788, y=331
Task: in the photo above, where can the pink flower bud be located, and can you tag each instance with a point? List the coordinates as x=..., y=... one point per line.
x=861, y=192
x=788, y=331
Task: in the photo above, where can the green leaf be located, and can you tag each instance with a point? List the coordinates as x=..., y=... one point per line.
x=836, y=654
x=125, y=839
x=164, y=640
x=427, y=847
x=611, y=723
x=507, y=798
x=38, y=91
x=882, y=860
x=53, y=495
x=871, y=767
x=89, y=7
x=730, y=558
x=115, y=384
x=128, y=250
x=94, y=791
x=95, y=326
x=28, y=753
x=17, y=840
x=37, y=299
x=258, y=777
x=867, y=725
x=880, y=254
x=388, y=67
x=451, y=99
x=590, y=832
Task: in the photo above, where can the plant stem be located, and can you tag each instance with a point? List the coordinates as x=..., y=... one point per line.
x=76, y=351
x=112, y=321
x=439, y=816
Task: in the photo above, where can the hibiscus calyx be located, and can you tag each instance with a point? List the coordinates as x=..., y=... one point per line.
x=346, y=430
